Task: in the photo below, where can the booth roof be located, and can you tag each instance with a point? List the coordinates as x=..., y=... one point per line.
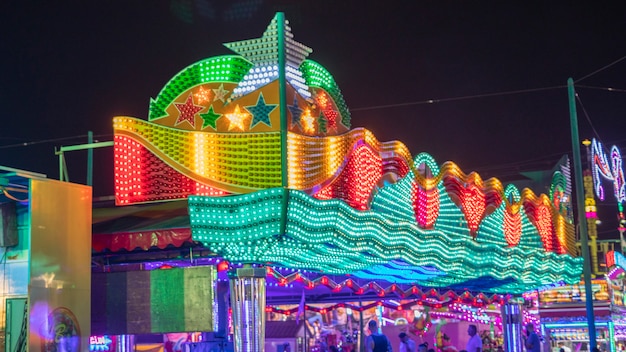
x=143, y=217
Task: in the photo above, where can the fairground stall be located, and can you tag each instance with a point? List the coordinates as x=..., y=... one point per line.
x=616, y=263
x=287, y=212
x=563, y=315
x=564, y=318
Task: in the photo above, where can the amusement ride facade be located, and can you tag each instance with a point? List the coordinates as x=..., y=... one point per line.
x=260, y=144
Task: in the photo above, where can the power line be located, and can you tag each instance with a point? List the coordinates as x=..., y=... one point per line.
x=467, y=97
x=595, y=132
x=587, y=117
x=43, y=141
x=601, y=69
x=608, y=89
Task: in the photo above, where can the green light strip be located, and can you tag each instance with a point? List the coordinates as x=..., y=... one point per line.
x=217, y=69
x=316, y=75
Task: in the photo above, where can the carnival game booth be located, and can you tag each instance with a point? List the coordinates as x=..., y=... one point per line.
x=564, y=318
x=563, y=313
x=616, y=263
x=444, y=328
x=277, y=184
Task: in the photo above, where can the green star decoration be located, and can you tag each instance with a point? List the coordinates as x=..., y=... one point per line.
x=261, y=112
x=321, y=121
x=210, y=118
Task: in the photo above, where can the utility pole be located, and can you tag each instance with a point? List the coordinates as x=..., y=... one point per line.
x=89, y=159
x=582, y=221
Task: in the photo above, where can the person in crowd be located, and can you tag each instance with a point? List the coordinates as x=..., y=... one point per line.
x=531, y=340
x=376, y=342
x=422, y=347
x=475, y=344
x=406, y=343
x=564, y=348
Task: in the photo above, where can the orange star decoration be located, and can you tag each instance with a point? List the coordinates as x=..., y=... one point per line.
x=322, y=100
x=237, y=119
x=188, y=111
x=203, y=95
x=308, y=122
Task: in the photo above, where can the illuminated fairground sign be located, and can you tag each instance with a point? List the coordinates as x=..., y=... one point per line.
x=261, y=144
x=100, y=343
x=612, y=171
x=616, y=262
x=574, y=293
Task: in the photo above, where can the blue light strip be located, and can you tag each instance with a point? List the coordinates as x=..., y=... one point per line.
x=611, y=336
x=572, y=325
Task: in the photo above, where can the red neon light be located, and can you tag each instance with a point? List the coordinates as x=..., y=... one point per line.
x=356, y=181
x=331, y=117
x=141, y=176
x=512, y=224
x=425, y=205
x=540, y=215
x=610, y=259
x=544, y=226
x=222, y=266
x=473, y=206
x=397, y=166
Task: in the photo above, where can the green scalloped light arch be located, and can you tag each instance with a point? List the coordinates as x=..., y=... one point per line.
x=227, y=68
x=558, y=181
x=232, y=69
x=315, y=75
x=428, y=160
x=512, y=194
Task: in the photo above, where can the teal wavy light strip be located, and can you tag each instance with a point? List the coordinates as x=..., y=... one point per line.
x=395, y=201
x=228, y=68
x=331, y=237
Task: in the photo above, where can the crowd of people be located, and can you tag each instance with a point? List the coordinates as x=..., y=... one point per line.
x=376, y=341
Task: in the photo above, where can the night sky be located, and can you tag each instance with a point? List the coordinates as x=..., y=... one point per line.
x=68, y=67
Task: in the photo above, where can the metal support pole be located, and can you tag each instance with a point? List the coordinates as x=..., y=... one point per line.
x=90, y=159
x=284, y=126
x=362, y=326
x=61, y=163
x=512, y=327
x=63, y=174
x=582, y=221
x=247, y=300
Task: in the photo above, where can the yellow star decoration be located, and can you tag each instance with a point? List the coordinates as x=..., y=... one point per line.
x=308, y=122
x=220, y=93
x=237, y=119
x=203, y=95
